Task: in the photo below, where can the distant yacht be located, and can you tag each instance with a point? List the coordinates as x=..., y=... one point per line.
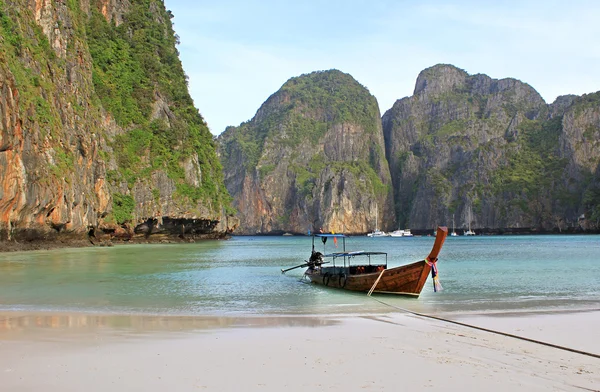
x=401, y=233
x=453, y=234
x=377, y=232
x=469, y=232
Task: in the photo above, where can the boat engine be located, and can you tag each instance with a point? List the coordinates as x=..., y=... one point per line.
x=315, y=260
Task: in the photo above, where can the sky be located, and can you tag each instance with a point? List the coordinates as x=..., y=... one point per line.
x=237, y=53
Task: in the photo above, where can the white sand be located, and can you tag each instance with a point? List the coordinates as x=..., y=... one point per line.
x=378, y=353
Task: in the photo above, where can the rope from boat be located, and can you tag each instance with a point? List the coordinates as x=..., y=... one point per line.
x=510, y=335
x=375, y=284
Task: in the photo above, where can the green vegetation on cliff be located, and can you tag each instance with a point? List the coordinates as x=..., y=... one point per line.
x=139, y=79
x=591, y=201
x=303, y=110
x=22, y=45
x=122, y=208
x=586, y=101
x=533, y=165
x=367, y=179
x=334, y=97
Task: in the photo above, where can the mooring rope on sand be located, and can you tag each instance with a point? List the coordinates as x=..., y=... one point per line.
x=491, y=330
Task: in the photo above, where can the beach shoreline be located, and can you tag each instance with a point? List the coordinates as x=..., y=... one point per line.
x=76, y=242
x=379, y=352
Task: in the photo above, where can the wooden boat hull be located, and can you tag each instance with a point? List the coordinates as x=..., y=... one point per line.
x=403, y=280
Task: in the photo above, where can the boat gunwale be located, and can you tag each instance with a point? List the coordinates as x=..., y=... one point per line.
x=354, y=253
x=376, y=273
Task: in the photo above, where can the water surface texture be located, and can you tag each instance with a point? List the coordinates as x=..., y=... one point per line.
x=242, y=276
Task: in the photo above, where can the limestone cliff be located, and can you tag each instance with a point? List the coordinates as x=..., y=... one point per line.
x=489, y=153
x=579, y=148
x=312, y=157
x=97, y=131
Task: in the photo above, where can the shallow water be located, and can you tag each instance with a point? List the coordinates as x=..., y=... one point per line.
x=242, y=276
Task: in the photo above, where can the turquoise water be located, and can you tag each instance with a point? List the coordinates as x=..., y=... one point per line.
x=242, y=276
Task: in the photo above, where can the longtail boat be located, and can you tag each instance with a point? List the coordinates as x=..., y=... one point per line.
x=368, y=271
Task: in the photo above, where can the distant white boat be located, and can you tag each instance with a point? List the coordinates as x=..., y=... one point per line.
x=453, y=234
x=469, y=232
x=397, y=233
x=377, y=232
x=401, y=233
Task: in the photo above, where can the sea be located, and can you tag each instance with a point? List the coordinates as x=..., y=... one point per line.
x=242, y=276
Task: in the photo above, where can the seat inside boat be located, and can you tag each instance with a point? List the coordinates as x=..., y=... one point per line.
x=366, y=269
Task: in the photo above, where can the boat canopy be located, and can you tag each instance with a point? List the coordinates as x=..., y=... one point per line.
x=354, y=253
x=346, y=256
x=349, y=257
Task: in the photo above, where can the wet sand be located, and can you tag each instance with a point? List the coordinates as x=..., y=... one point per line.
x=388, y=352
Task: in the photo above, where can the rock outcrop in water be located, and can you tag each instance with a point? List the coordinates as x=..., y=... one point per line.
x=482, y=152
x=312, y=157
x=491, y=154
x=97, y=130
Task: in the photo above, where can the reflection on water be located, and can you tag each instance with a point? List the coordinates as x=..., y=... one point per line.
x=12, y=324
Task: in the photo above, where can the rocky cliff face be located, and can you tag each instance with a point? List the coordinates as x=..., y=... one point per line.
x=464, y=150
x=312, y=157
x=86, y=146
x=489, y=153
x=579, y=148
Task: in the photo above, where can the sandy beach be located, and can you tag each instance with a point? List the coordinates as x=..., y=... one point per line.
x=372, y=353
